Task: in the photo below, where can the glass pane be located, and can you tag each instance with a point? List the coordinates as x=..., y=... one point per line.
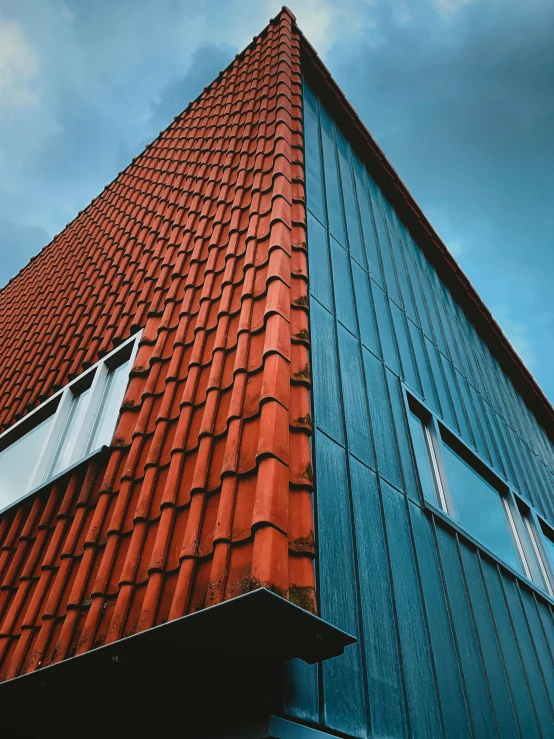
x=549, y=549
x=64, y=456
x=18, y=461
x=425, y=469
x=480, y=509
x=110, y=406
x=538, y=573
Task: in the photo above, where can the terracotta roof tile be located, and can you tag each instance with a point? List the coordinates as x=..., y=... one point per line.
x=205, y=491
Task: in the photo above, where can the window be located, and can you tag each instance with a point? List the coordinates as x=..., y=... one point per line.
x=15, y=470
x=426, y=459
x=480, y=508
x=457, y=482
x=75, y=423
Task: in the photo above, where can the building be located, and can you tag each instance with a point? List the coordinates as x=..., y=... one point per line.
x=268, y=465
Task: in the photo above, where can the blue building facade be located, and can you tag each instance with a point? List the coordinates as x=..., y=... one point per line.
x=434, y=486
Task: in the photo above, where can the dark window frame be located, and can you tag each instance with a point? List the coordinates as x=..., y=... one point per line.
x=526, y=523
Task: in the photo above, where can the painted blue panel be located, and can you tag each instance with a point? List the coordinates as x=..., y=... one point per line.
x=459, y=327
x=436, y=298
x=365, y=310
x=451, y=644
x=534, y=482
x=349, y=198
x=520, y=481
x=422, y=362
x=457, y=414
x=400, y=422
x=512, y=660
x=386, y=330
x=436, y=328
x=497, y=444
x=423, y=707
x=313, y=160
x=343, y=683
x=481, y=354
x=388, y=462
x=383, y=239
x=445, y=401
x=545, y=615
x=402, y=268
x=540, y=643
x=384, y=672
x=397, y=263
x=409, y=370
x=448, y=317
x=474, y=399
x=354, y=398
x=320, y=263
x=505, y=447
x=470, y=348
x=449, y=679
x=332, y=181
x=422, y=317
x=371, y=247
x=492, y=656
x=465, y=416
x=486, y=440
x=529, y=659
x=466, y=636
x=342, y=284
x=486, y=412
x=326, y=392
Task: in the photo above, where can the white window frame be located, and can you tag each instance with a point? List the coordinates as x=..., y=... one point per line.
x=526, y=525
x=59, y=406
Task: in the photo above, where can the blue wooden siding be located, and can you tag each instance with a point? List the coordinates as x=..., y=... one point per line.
x=450, y=643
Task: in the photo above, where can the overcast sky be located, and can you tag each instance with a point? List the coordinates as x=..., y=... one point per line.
x=458, y=93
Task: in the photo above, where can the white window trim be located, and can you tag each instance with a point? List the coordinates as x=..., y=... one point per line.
x=508, y=494
x=61, y=403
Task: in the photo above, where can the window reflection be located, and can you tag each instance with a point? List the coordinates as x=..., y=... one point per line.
x=549, y=549
x=64, y=455
x=538, y=573
x=110, y=406
x=424, y=466
x=479, y=508
x=17, y=462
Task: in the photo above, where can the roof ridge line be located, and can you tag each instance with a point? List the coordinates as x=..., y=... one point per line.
x=442, y=250
x=285, y=11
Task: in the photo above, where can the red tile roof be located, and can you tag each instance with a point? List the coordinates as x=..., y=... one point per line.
x=205, y=492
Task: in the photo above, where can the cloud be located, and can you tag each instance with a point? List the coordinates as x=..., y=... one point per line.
x=450, y=6
x=18, y=243
x=517, y=333
x=325, y=21
x=207, y=61
x=18, y=68
x=457, y=94
x=464, y=110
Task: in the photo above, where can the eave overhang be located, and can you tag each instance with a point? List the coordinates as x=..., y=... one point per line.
x=233, y=651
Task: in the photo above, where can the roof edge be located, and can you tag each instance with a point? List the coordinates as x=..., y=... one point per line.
x=285, y=11
x=427, y=238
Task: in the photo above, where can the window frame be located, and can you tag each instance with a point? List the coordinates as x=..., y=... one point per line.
x=59, y=407
x=526, y=524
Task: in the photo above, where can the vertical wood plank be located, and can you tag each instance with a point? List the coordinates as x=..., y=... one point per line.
x=449, y=680
x=423, y=708
x=343, y=683
x=384, y=672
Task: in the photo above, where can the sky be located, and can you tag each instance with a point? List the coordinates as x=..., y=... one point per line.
x=458, y=93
